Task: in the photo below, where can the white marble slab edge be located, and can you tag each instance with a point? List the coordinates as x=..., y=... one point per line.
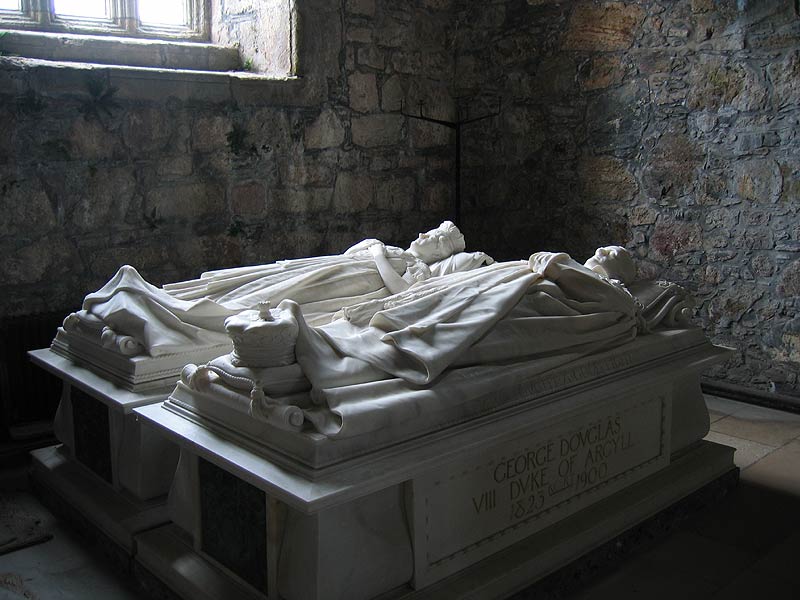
x=93, y=384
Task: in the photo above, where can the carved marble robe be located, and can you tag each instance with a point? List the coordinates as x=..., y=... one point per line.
x=427, y=348
x=160, y=321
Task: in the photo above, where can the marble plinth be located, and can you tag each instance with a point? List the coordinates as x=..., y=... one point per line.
x=71, y=488
x=106, y=452
x=490, y=503
x=141, y=374
x=225, y=412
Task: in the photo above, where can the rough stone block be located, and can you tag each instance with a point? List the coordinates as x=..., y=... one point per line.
x=184, y=201
x=603, y=72
x=392, y=94
x=91, y=140
x=303, y=171
x=758, y=180
x=522, y=119
x=672, y=238
x=14, y=81
x=615, y=130
x=377, y=130
x=248, y=199
x=435, y=100
x=671, y=170
x=407, y=62
x=361, y=7
x=731, y=304
x=643, y=215
x=762, y=266
x=715, y=82
x=722, y=218
x=175, y=166
x=372, y=57
x=363, y=92
x=32, y=262
x=606, y=178
x=326, y=131
x=556, y=76
x=352, y=193
x=147, y=130
x=104, y=198
x=785, y=77
x=362, y=35
x=702, y=6
x=396, y=194
x=438, y=198
x=303, y=201
x=429, y=135
x=393, y=33
x=438, y=4
x=603, y=27
x=274, y=129
x=25, y=206
x=210, y=132
x=755, y=240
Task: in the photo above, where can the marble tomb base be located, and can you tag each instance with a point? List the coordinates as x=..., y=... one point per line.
x=111, y=467
x=142, y=374
x=479, y=508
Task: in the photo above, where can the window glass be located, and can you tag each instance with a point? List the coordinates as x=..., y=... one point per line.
x=95, y=9
x=162, y=12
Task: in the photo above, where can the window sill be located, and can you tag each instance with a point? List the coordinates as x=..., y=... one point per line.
x=18, y=75
x=110, y=50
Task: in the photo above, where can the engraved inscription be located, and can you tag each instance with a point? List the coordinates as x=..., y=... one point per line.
x=567, y=465
x=575, y=375
x=530, y=481
x=564, y=377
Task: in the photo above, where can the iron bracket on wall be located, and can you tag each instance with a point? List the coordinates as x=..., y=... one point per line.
x=456, y=125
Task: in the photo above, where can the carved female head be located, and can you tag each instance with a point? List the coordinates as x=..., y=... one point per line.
x=614, y=262
x=438, y=243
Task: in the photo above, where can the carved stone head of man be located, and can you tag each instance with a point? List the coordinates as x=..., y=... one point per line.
x=614, y=262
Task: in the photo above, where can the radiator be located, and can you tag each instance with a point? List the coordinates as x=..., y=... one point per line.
x=28, y=395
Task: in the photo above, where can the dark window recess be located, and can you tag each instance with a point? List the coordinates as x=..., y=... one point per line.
x=233, y=523
x=92, y=435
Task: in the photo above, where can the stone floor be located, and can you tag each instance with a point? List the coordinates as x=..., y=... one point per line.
x=742, y=547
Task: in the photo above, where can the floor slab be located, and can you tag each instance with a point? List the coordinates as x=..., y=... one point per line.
x=779, y=470
x=721, y=407
x=747, y=451
x=63, y=568
x=759, y=424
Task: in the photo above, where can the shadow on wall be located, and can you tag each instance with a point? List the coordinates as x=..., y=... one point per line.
x=667, y=129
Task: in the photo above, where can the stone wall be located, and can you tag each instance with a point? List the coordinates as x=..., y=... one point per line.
x=261, y=30
x=176, y=172
x=671, y=127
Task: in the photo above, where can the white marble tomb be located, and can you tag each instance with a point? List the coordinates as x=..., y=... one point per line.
x=502, y=418
x=562, y=462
